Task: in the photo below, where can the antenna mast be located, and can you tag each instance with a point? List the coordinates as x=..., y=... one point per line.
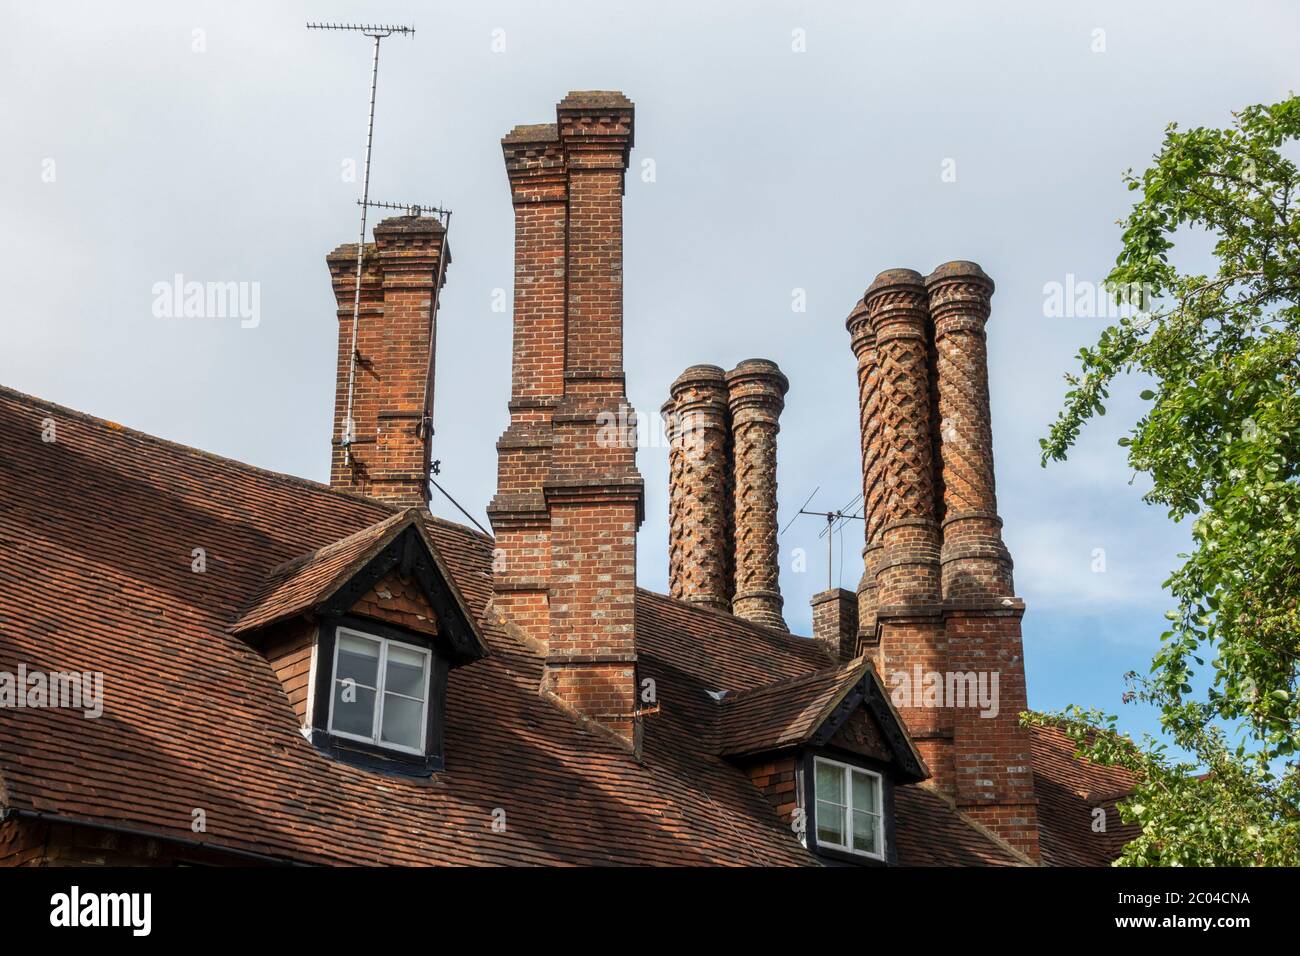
x=835, y=520
x=376, y=32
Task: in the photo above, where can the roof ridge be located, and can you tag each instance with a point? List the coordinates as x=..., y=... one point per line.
x=191, y=450
x=800, y=640
x=840, y=671
x=297, y=561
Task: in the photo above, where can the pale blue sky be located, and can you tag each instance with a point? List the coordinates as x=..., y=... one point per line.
x=775, y=170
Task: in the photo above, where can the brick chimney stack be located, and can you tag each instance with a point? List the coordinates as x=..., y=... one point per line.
x=520, y=518
x=698, y=422
x=863, y=338
x=392, y=391
x=569, y=583
x=756, y=395
x=976, y=564
x=904, y=552
x=994, y=780
x=835, y=623
x=943, y=607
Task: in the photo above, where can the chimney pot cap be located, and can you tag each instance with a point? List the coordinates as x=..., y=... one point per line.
x=959, y=269
x=699, y=374
x=760, y=368
x=595, y=100
x=891, y=278
x=533, y=133
x=409, y=224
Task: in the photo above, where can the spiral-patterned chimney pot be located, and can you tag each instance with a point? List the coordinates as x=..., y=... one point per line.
x=698, y=423
x=757, y=391
x=976, y=564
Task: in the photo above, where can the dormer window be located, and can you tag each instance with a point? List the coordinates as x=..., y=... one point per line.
x=850, y=809
x=381, y=691
x=362, y=634
x=378, y=696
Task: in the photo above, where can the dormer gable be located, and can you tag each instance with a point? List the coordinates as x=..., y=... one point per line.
x=827, y=749
x=362, y=634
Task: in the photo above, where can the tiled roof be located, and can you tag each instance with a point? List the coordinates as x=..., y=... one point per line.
x=97, y=534
x=309, y=579
x=1069, y=789
x=785, y=712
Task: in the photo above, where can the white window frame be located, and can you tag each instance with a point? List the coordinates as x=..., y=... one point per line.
x=846, y=778
x=380, y=679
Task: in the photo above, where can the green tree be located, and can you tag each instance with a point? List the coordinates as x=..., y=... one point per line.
x=1221, y=445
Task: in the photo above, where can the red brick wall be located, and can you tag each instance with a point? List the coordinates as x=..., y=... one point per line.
x=778, y=781
x=835, y=623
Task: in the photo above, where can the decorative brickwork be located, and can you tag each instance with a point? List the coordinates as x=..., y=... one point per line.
x=993, y=776
x=863, y=338
x=976, y=564
x=756, y=390
x=908, y=571
x=700, y=539
x=942, y=604
x=392, y=395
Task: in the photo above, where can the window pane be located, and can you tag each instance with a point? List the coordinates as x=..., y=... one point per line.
x=865, y=793
x=405, y=672
x=830, y=823
x=866, y=832
x=358, y=659
x=401, y=721
x=354, y=709
x=830, y=783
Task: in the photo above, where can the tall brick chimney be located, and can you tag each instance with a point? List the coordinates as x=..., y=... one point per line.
x=539, y=189
x=756, y=395
x=863, y=338
x=569, y=334
x=942, y=602
x=722, y=428
x=994, y=779
x=698, y=420
x=392, y=391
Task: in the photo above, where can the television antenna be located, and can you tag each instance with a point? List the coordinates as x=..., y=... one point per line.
x=376, y=32
x=835, y=520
